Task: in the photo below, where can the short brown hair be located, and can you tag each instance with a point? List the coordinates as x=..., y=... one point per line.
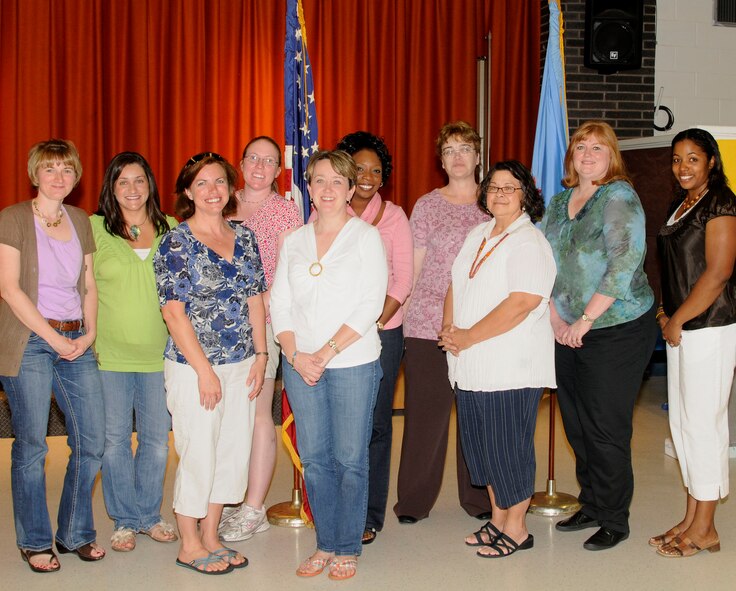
x=184, y=206
x=607, y=137
x=50, y=151
x=460, y=129
x=341, y=162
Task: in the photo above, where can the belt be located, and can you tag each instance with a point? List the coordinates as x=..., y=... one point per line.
x=65, y=325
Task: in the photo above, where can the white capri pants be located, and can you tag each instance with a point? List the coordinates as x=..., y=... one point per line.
x=699, y=376
x=213, y=445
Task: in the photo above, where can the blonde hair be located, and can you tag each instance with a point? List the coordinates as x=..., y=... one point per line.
x=606, y=136
x=342, y=163
x=51, y=151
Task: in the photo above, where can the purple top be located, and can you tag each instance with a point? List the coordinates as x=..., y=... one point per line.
x=441, y=228
x=59, y=264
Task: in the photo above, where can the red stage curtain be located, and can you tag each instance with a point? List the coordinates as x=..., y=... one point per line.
x=169, y=78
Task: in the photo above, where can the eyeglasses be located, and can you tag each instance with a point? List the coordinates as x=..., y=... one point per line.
x=462, y=150
x=201, y=156
x=507, y=189
x=254, y=159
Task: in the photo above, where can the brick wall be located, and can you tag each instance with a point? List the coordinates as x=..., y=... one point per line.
x=625, y=99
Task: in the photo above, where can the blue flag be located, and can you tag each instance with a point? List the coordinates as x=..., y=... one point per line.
x=299, y=106
x=551, y=139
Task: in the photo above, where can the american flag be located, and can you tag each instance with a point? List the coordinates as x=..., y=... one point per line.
x=299, y=106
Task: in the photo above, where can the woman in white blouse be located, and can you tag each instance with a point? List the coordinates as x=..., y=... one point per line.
x=328, y=291
x=497, y=332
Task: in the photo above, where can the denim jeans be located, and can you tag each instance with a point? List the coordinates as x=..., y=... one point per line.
x=333, y=427
x=379, y=451
x=76, y=385
x=133, y=487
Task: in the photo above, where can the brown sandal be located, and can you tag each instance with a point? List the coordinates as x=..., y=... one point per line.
x=682, y=547
x=38, y=568
x=664, y=538
x=85, y=552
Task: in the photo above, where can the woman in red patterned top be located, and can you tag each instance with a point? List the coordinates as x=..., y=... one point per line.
x=271, y=217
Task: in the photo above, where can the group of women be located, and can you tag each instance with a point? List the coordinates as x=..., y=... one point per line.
x=188, y=322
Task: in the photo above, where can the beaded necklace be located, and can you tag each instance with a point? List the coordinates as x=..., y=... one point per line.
x=476, y=263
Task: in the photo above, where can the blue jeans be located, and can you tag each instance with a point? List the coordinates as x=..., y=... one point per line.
x=133, y=487
x=76, y=386
x=379, y=451
x=333, y=427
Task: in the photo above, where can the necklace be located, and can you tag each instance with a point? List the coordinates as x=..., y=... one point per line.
x=689, y=202
x=476, y=263
x=135, y=232
x=43, y=219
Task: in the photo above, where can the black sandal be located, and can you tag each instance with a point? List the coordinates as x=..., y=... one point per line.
x=28, y=554
x=506, y=546
x=490, y=530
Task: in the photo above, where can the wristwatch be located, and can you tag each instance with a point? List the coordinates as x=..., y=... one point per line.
x=587, y=318
x=379, y=325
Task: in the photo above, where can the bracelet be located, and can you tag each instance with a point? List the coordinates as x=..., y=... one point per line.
x=333, y=345
x=660, y=313
x=379, y=325
x=262, y=353
x=293, y=358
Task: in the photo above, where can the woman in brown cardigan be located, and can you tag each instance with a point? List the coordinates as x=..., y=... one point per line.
x=48, y=322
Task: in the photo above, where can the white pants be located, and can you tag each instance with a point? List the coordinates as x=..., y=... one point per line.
x=699, y=376
x=213, y=445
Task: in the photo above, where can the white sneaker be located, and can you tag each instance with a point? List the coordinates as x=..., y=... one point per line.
x=241, y=523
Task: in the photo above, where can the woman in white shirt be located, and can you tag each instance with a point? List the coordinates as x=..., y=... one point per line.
x=497, y=332
x=329, y=288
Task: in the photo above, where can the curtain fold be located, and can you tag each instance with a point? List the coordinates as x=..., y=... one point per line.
x=169, y=78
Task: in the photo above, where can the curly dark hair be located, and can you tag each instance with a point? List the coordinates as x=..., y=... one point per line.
x=531, y=198
x=184, y=206
x=705, y=141
x=108, y=206
x=363, y=140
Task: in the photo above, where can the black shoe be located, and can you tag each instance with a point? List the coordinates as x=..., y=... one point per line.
x=604, y=539
x=369, y=535
x=577, y=522
x=485, y=516
x=407, y=519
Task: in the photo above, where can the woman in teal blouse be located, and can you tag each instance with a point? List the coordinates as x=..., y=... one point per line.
x=603, y=318
x=131, y=337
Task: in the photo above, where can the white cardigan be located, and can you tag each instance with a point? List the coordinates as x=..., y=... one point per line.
x=350, y=289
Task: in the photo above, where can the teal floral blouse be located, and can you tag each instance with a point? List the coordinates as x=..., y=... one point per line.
x=601, y=250
x=213, y=290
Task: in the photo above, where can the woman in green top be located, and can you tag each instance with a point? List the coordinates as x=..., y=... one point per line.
x=131, y=337
x=602, y=315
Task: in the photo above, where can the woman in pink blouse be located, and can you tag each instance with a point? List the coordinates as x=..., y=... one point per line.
x=271, y=217
x=373, y=161
x=439, y=223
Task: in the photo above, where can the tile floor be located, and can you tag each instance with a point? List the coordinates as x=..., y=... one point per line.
x=428, y=555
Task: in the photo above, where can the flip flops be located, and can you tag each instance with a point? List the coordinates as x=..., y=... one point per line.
x=199, y=565
x=227, y=554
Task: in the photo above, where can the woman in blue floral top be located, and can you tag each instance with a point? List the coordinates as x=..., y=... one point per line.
x=210, y=282
x=603, y=318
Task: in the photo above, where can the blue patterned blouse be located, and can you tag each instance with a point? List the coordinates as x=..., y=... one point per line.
x=213, y=290
x=600, y=250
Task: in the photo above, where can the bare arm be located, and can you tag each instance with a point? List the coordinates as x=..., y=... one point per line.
x=597, y=305
x=507, y=315
x=182, y=331
x=257, y=317
x=21, y=304
x=89, y=312
x=720, y=257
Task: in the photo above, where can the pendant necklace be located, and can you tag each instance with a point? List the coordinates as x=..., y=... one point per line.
x=476, y=263
x=135, y=230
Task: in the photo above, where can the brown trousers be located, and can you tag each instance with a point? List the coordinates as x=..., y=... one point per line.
x=428, y=401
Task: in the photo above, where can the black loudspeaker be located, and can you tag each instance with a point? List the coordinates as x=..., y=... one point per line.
x=613, y=34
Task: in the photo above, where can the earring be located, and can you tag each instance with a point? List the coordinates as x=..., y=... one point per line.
x=381, y=185
x=523, y=209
